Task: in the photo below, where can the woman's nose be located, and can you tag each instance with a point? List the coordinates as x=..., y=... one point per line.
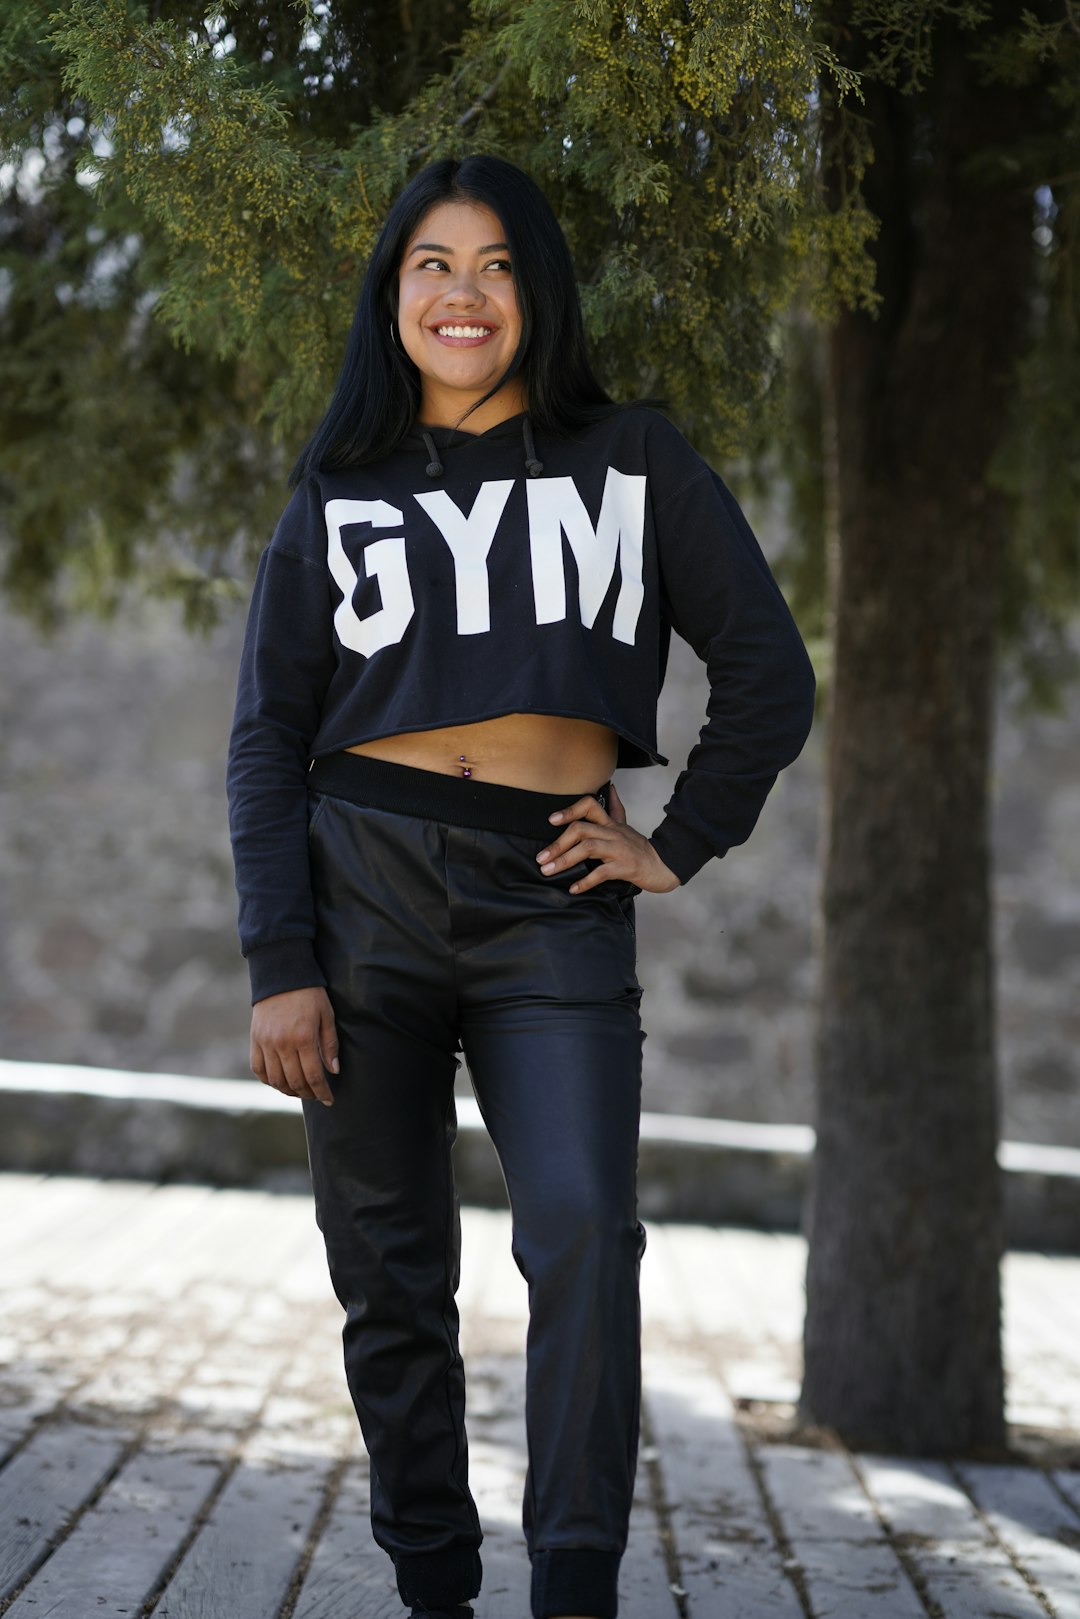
x=464, y=290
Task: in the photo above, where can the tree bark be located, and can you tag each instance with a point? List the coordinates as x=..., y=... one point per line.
x=904, y=1219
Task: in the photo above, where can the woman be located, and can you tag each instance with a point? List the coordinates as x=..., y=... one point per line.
x=463, y=631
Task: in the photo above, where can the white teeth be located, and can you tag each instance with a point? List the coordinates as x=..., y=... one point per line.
x=463, y=331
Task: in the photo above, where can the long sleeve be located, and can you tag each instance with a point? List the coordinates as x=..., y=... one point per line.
x=286, y=664
x=720, y=596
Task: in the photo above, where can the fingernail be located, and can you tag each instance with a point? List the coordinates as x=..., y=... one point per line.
x=543, y=854
x=549, y=867
x=335, y=1067
x=557, y=816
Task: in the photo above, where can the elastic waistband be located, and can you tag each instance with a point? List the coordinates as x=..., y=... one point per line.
x=458, y=800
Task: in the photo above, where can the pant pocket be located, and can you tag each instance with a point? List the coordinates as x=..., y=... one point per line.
x=613, y=891
x=317, y=802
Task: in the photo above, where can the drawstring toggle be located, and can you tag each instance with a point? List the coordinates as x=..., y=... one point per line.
x=533, y=466
x=435, y=466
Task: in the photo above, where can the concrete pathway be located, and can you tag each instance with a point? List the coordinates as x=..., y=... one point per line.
x=176, y=1440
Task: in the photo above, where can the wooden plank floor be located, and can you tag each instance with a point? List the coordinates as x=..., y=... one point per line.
x=176, y=1439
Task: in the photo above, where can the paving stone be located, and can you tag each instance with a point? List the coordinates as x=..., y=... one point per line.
x=818, y=1495
x=1032, y=1521
x=857, y=1580
x=349, y=1575
x=242, y=1560
x=728, y=1558
x=115, y=1555
x=44, y=1486
x=920, y=1498
x=974, y=1580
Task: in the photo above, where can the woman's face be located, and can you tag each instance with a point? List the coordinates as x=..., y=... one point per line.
x=458, y=314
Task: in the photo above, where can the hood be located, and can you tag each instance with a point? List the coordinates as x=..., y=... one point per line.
x=435, y=441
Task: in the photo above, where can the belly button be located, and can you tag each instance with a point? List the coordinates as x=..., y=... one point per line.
x=468, y=770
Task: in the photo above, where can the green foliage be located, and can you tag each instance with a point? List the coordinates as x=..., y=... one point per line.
x=901, y=35
x=1038, y=464
x=1038, y=460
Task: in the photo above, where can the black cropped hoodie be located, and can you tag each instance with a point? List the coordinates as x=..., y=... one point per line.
x=471, y=575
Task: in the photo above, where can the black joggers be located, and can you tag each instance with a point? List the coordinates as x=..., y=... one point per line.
x=438, y=933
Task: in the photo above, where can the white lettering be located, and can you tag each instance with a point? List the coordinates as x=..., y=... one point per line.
x=469, y=539
x=384, y=560
x=555, y=507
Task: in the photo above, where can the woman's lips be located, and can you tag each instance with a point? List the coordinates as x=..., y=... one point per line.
x=460, y=342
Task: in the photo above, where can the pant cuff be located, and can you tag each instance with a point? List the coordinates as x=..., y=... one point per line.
x=575, y=1580
x=438, y=1579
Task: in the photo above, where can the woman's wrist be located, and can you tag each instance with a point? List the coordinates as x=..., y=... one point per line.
x=681, y=851
x=283, y=964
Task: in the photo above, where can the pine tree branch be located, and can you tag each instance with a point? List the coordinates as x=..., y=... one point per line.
x=486, y=96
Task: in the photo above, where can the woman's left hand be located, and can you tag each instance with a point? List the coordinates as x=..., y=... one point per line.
x=591, y=833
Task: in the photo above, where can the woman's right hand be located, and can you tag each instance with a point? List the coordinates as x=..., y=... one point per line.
x=293, y=1039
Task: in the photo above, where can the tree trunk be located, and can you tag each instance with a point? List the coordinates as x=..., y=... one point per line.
x=902, y=1338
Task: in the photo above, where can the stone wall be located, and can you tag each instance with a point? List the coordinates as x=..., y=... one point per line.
x=117, y=912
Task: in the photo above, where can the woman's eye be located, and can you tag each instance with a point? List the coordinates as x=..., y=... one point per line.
x=502, y=264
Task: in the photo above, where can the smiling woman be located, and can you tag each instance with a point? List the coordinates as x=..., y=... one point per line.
x=458, y=631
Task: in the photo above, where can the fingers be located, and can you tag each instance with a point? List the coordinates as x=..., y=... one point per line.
x=570, y=849
x=582, y=809
x=312, y=1079
x=579, y=843
x=284, y=1071
x=604, y=836
x=594, y=878
x=617, y=810
x=328, y=1041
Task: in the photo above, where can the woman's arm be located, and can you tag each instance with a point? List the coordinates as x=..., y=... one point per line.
x=719, y=594
x=721, y=597
x=285, y=667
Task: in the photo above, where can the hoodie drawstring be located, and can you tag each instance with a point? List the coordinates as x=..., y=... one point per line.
x=533, y=465
x=435, y=466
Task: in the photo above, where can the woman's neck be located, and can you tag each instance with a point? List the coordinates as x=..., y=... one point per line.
x=447, y=409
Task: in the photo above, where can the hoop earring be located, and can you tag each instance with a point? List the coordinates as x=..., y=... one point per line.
x=394, y=337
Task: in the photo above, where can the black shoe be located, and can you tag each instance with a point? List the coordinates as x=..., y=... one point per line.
x=462, y=1611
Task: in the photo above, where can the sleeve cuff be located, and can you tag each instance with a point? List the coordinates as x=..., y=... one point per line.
x=284, y=964
x=681, y=851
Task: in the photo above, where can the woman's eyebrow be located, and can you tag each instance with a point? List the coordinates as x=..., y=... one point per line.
x=437, y=247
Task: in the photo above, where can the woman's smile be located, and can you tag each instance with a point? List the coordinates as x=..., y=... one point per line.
x=459, y=334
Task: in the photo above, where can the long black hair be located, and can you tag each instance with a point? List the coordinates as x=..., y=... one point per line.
x=378, y=392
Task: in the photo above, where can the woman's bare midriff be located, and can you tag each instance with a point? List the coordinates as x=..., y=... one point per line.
x=544, y=753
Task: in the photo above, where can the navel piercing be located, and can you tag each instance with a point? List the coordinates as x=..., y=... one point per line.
x=468, y=769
